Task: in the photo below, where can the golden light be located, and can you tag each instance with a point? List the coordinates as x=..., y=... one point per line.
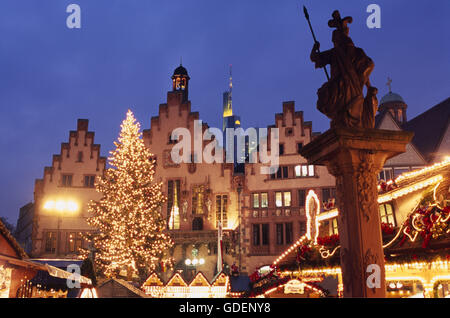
x=49, y=205
x=61, y=205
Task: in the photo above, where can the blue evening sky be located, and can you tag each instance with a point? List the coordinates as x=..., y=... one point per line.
x=126, y=51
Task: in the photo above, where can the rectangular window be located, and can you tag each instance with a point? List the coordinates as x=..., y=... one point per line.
x=287, y=198
x=285, y=172
x=281, y=149
x=298, y=172
x=264, y=200
x=301, y=197
x=325, y=194
x=256, y=235
x=279, y=173
x=304, y=171
x=289, y=233
x=265, y=234
x=399, y=171
x=256, y=200
x=387, y=214
x=197, y=200
x=173, y=204
x=302, y=227
x=74, y=242
x=334, y=226
x=280, y=236
x=66, y=180
x=278, y=199
x=50, y=242
x=89, y=181
x=222, y=210
x=299, y=147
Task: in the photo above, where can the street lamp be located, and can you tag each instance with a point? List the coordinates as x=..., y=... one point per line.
x=60, y=207
x=239, y=190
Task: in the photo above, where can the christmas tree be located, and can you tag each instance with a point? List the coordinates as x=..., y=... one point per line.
x=130, y=228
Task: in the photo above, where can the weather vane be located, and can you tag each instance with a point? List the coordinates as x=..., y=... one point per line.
x=389, y=82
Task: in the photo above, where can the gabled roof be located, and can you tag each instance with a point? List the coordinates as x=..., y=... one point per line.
x=199, y=281
x=12, y=241
x=429, y=128
x=220, y=279
x=153, y=280
x=126, y=285
x=176, y=280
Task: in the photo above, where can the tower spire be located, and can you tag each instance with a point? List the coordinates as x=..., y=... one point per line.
x=231, y=89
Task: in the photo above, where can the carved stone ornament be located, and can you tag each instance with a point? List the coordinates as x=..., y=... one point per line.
x=366, y=184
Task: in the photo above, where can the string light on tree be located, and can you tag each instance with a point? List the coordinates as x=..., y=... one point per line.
x=130, y=228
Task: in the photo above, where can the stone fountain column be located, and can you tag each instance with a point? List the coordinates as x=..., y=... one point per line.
x=355, y=156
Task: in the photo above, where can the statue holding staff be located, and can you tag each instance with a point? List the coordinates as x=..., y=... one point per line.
x=341, y=98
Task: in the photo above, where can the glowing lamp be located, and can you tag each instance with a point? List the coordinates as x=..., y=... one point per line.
x=49, y=205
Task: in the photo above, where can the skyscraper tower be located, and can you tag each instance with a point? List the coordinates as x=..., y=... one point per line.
x=228, y=118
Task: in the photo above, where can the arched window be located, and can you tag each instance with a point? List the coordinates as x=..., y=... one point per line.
x=197, y=224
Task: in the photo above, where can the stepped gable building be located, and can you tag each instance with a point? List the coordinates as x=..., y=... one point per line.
x=199, y=194
x=62, y=195
x=274, y=205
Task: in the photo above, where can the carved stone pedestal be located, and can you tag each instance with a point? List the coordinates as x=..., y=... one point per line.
x=355, y=156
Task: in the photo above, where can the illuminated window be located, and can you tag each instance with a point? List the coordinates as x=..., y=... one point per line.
x=50, y=242
x=287, y=198
x=197, y=200
x=387, y=213
x=278, y=199
x=256, y=200
x=221, y=210
x=74, y=242
x=304, y=171
x=334, y=226
x=173, y=207
x=264, y=200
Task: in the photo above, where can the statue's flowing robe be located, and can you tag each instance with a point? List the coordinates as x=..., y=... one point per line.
x=341, y=98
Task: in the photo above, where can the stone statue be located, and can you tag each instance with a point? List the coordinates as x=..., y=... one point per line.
x=341, y=98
